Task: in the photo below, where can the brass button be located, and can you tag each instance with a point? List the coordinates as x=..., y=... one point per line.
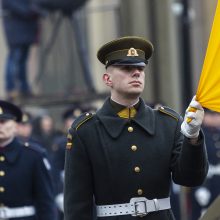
x=140, y=192
x=2, y=189
x=2, y=173
x=2, y=158
x=130, y=129
x=133, y=147
x=137, y=169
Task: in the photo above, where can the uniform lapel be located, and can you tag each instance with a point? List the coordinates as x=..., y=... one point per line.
x=112, y=123
x=145, y=117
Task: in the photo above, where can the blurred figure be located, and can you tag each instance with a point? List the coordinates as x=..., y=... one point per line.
x=25, y=179
x=25, y=128
x=44, y=132
x=20, y=21
x=201, y=197
x=59, y=145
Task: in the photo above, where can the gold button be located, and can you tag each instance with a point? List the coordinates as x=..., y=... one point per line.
x=2, y=158
x=130, y=129
x=2, y=189
x=137, y=169
x=2, y=173
x=140, y=192
x=134, y=147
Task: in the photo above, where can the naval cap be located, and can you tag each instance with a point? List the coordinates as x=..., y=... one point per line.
x=130, y=50
x=10, y=111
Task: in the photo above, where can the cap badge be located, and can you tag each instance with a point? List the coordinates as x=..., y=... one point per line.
x=24, y=118
x=132, y=52
x=1, y=111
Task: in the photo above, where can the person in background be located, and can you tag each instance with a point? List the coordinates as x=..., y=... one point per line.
x=20, y=22
x=201, y=197
x=44, y=132
x=25, y=174
x=25, y=128
x=126, y=154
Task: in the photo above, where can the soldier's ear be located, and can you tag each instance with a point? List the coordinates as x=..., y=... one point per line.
x=107, y=79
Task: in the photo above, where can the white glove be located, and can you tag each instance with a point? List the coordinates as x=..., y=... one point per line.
x=193, y=119
x=59, y=201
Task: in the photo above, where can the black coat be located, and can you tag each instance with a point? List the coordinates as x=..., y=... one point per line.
x=27, y=180
x=20, y=22
x=100, y=161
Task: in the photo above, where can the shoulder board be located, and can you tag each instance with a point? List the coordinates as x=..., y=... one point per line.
x=34, y=146
x=81, y=120
x=169, y=111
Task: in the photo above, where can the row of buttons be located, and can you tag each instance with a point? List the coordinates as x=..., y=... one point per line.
x=2, y=173
x=136, y=169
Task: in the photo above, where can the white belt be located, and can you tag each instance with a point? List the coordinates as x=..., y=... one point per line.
x=17, y=212
x=138, y=206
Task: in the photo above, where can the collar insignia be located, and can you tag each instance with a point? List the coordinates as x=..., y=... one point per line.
x=132, y=52
x=1, y=111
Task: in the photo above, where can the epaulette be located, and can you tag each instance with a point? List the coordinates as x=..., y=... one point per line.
x=81, y=120
x=35, y=147
x=169, y=111
x=75, y=126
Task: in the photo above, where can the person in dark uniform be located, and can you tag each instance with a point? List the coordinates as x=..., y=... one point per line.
x=201, y=197
x=125, y=155
x=25, y=179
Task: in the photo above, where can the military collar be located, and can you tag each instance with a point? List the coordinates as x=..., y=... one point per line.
x=114, y=125
x=12, y=151
x=118, y=107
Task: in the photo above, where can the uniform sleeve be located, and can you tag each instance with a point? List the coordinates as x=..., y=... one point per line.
x=43, y=189
x=78, y=184
x=189, y=162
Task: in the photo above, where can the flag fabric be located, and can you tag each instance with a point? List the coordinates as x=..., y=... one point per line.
x=208, y=91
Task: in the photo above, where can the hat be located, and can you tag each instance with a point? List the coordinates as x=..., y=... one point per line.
x=72, y=113
x=130, y=50
x=10, y=111
x=26, y=118
x=77, y=110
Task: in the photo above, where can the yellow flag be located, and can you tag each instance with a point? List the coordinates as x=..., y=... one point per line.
x=208, y=91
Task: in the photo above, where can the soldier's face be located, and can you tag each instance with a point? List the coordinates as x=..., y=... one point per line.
x=8, y=129
x=127, y=81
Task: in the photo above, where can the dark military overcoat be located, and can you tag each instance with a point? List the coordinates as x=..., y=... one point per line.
x=25, y=180
x=103, y=151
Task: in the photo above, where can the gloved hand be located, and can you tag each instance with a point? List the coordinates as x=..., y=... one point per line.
x=193, y=119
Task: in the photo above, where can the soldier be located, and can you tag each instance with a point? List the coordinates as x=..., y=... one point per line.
x=25, y=181
x=202, y=197
x=126, y=154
